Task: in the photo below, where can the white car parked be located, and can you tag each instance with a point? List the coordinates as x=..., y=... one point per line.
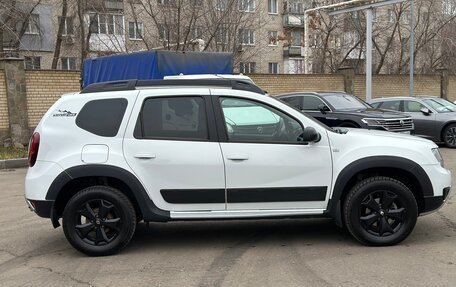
x=121, y=152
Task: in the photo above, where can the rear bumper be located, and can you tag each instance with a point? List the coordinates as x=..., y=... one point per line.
x=42, y=208
x=432, y=203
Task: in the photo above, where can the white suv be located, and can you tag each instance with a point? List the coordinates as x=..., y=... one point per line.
x=121, y=152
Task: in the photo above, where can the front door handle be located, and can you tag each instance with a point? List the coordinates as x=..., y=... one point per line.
x=237, y=156
x=144, y=156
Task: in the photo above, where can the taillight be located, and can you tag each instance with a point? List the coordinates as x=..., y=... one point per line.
x=34, y=145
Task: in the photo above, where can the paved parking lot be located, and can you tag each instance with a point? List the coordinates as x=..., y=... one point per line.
x=306, y=252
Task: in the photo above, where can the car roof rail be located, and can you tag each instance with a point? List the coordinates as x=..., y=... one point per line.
x=127, y=85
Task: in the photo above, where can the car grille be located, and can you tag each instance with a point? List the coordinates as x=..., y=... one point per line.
x=396, y=125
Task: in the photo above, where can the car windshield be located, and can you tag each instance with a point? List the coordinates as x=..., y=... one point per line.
x=345, y=102
x=441, y=105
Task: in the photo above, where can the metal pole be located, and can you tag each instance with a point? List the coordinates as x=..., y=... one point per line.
x=306, y=44
x=412, y=47
x=369, y=16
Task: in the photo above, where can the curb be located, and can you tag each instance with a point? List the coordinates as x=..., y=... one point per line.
x=13, y=163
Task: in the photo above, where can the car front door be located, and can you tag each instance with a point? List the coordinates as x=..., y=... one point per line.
x=267, y=167
x=311, y=105
x=425, y=124
x=173, y=149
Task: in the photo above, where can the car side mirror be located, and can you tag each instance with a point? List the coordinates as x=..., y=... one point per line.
x=309, y=135
x=323, y=108
x=425, y=111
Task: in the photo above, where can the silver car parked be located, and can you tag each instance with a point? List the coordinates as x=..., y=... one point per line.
x=434, y=118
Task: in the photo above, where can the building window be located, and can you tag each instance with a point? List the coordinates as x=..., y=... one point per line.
x=247, y=67
x=247, y=5
x=221, y=5
x=68, y=63
x=197, y=33
x=405, y=17
x=33, y=63
x=107, y=24
x=273, y=68
x=221, y=36
x=247, y=36
x=272, y=38
x=33, y=25
x=391, y=16
x=135, y=30
x=166, y=2
x=297, y=66
x=272, y=6
x=449, y=7
x=296, y=38
x=67, y=26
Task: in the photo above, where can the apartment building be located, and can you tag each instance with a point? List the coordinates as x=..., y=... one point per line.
x=265, y=36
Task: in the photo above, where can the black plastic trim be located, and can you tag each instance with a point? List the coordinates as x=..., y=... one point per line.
x=133, y=84
x=277, y=194
x=43, y=208
x=187, y=196
x=432, y=203
x=149, y=210
x=358, y=166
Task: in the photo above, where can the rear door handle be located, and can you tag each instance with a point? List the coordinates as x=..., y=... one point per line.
x=237, y=156
x=144, y=156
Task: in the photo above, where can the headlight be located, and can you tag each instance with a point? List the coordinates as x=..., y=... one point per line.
x=437, y=155
x=372, y=122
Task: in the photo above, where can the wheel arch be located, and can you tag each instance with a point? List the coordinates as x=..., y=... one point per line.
x=402, y=169
x=353, y=124
x=74, y=179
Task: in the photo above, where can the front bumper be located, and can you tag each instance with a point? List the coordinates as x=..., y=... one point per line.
x=432, y=203
x=42, y=208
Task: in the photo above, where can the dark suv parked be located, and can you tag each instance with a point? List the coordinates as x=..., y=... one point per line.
x=338, y=109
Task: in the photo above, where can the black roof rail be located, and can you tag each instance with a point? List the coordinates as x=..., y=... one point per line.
x=127, y=85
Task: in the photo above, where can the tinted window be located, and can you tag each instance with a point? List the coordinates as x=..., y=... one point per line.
x=102, y=117
x=174, y=118
x=251, y=121
x=391, y=105
x=295, y=102
x=441, y=105
x=311, y=103
x=376, y=105
x=413, y=106
x=345, y=102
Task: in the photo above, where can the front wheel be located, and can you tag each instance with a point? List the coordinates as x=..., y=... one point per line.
x=99, y=220
x=449, y=136
x=380, y=211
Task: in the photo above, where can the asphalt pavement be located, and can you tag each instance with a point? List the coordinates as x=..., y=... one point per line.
x=286, y=252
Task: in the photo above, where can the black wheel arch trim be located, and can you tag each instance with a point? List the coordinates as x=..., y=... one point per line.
x=147, y=207
x=360, y=165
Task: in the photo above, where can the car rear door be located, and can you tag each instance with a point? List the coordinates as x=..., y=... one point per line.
x=266, y=166
x=172, y=147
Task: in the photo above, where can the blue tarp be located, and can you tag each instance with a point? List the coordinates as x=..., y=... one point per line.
x=154, y=65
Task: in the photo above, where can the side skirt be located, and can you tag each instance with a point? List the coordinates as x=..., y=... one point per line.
x=247, y=214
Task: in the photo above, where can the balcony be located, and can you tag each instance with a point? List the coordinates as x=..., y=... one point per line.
x=114, y=5
x=293, y=51
x=296, y=6
x=291, y=20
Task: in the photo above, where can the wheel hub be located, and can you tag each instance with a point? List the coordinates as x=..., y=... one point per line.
x=382, y=213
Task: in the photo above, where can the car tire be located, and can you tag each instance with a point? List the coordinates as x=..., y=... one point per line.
x=449, y=136
x=99, y=221
x=380, y=211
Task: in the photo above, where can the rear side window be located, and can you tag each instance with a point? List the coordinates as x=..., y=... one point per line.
x=173, y=118
x=391, y=105
x=312, y=103
x=294, y=101
x=102, y=117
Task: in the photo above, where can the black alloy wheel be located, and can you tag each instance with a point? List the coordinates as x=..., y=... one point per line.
x=380, y=211
x=449, y=136
x=99, y=220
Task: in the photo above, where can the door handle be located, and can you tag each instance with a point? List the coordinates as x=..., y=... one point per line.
x=237, y=156
x=144, y=156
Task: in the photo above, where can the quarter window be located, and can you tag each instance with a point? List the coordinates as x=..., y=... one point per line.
x=174, y=118
x=249, y=121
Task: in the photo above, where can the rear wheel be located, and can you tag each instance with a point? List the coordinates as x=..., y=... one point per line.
x=449, y=136
x=380, y=211
x=99, y=221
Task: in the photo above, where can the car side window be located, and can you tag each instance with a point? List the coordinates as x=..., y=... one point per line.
x=413, y=106
x=391, y=105
x=174, y=118
x=376, y=105
x=295, y=101
x=251, y=121
x=312, y=103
